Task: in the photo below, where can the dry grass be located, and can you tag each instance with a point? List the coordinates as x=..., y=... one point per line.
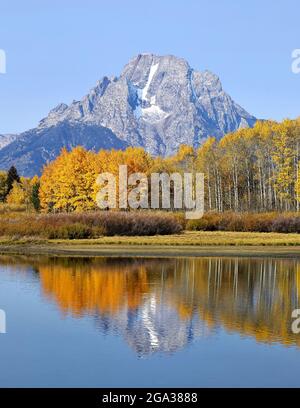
x=198, y=238
x=12, y=210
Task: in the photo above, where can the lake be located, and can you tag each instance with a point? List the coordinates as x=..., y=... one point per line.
x=142, y=322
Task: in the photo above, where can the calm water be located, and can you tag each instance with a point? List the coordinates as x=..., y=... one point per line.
x=153, y=322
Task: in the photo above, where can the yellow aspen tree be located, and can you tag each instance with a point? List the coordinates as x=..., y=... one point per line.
x=17, y=195
x=297, y=185
x=206, y=162
x=283, y=158
x=67, y=183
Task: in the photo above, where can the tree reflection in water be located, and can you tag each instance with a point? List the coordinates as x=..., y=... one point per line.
x=162, y=305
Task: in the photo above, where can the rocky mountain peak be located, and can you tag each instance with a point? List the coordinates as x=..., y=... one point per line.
x=157, y=102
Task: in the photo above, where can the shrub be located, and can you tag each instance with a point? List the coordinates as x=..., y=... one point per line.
x=90, y=225
x=139, y=223
x=72, y=231
x=286, y=224
x=209, y=222
x=246, y=222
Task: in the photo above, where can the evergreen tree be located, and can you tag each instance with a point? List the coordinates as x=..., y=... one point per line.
x=12, y=176
x=35, y=199
x=3, y=185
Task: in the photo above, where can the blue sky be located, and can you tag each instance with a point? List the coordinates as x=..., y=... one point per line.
x=56, y=50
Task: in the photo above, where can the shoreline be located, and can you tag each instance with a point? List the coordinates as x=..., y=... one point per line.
x=186, y=244
x=151, y=251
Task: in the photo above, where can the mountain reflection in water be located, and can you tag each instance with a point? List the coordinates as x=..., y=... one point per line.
x=162, y=305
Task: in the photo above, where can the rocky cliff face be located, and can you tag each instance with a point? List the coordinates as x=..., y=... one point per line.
x=6, y=140
x=158, y=102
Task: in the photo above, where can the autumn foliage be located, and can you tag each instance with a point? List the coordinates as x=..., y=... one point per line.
x=69, y=182
x=248, y=170
x=251, y=179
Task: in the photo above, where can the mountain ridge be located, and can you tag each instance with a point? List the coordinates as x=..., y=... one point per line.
x=157, y=102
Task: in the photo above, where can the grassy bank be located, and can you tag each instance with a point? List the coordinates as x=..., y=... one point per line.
x=192, y=244
x=197, y=238
x=187, y=238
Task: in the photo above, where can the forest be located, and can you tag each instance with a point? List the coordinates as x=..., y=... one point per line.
x=251, y=171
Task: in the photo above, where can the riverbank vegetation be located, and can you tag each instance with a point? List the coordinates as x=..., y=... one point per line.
x=185, y=243
x=251, y=177
x=16, y=223
x=195, y=239
x=247, y=222
x=251, y=170
x=88, y=225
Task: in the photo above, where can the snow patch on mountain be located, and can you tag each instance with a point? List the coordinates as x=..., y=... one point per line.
x=152, y=72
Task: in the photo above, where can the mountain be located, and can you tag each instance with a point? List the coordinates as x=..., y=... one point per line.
x=32, y=149
x=6, y=140
x=158, y=102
